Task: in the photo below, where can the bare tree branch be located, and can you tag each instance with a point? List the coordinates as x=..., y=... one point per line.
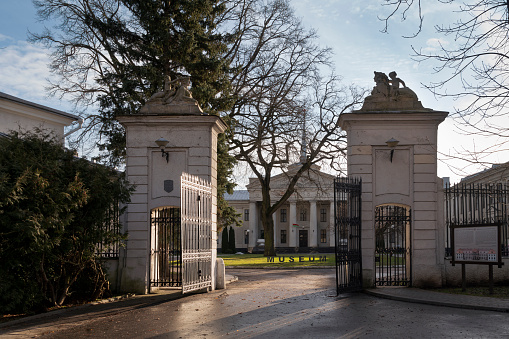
x=278, y=89
x=473, y=62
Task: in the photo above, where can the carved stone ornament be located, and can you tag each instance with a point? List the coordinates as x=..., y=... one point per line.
x=175, y=99
x=388, y=96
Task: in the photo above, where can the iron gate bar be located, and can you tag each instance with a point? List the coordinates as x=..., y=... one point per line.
x=165, y=239
x=393, y=261
x=347, y=235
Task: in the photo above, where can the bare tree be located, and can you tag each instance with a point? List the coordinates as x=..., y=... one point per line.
x=474, y=66
x=278, y=90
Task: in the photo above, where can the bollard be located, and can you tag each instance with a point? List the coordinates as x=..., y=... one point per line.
x=220, y=274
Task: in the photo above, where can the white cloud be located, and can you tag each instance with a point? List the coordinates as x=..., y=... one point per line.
x=24, y=70
x=434, y=42
x=4, y=37
x=433, y=45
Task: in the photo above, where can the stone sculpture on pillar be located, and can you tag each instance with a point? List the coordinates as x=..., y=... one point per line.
x=174, y=99
x=387, y=95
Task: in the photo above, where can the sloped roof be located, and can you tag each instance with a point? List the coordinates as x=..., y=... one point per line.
x=497, y=173
x=308, y=179
x=237, y=195
x=17, y=100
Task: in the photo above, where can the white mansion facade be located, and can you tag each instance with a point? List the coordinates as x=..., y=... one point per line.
x=304, y=221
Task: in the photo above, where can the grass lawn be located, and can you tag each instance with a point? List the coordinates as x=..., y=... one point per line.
x=385, y=260
x=281, y=261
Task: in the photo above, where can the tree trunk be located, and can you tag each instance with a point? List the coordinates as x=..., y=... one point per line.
x=267, y=221
x=268, y=230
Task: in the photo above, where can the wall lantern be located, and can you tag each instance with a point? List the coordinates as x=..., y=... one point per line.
x=392, y=143
x=162, y=142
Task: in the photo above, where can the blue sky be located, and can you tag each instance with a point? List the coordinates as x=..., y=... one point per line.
x=350, y=28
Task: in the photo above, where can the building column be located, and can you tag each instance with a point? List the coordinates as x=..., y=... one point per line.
x=253, y=224
x=313, y=225
x=332, y=228
x=292, y=232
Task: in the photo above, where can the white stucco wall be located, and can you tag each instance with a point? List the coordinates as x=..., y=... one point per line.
x=17, y=114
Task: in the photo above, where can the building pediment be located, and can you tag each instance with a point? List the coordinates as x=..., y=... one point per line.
x=313, y=184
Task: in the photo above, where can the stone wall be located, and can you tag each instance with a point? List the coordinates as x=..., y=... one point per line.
x=192, y=145
x=407, y=179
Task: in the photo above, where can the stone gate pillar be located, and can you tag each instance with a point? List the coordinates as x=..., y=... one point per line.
x=404, y=174
x=173, y=116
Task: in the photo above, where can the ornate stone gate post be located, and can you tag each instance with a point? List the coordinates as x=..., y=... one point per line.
x=392, y=146
x=169, y=135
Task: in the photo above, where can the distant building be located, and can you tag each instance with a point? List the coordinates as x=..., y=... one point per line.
x=304, y=222
x=497, y=174
x=16, y=114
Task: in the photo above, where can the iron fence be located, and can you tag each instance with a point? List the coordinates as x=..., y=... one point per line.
x=109, y=247
x=477, y=204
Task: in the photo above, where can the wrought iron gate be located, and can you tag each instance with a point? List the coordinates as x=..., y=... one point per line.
x=392, y=246
x=347, y=227
x=165, y=257
x=196, y=221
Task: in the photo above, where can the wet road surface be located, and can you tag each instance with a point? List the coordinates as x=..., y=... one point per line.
x=290, y=304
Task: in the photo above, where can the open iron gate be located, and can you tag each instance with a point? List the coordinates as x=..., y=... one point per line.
x=347, y=227
x=196, y=223
x=181, y=239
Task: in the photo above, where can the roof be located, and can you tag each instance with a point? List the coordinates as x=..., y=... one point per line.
x=497, y=172
x=17, y=100
x=237, y=195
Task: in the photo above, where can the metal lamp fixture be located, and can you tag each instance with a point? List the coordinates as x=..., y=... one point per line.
x=162, y=142
x=392, y=143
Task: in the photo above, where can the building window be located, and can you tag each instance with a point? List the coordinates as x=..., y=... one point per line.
x=323, y=236
x=246, y=237
x=246, y=215
x=283, y=236
x=323, y=215
x=283, y=215
x=303, y=214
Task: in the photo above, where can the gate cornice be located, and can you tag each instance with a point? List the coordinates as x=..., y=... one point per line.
x=194, y=120
x=391, y=117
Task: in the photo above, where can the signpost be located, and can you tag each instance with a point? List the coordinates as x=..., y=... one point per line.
x=476, y=244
